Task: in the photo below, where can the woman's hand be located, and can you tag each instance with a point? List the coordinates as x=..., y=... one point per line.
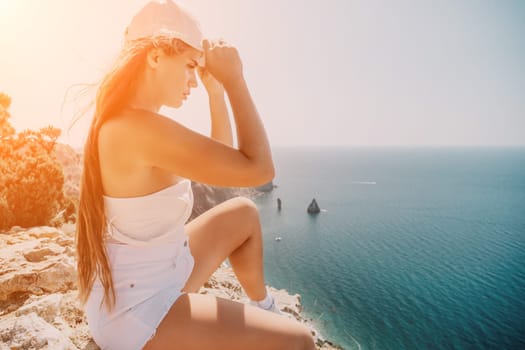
x=211, y=84
x=223, y=62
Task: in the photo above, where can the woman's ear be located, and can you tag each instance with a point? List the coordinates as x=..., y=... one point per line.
x=153, y=57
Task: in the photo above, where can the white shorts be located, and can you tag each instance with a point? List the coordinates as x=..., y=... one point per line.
x=147, y=281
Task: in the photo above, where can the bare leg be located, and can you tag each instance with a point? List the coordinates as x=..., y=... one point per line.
x=231, y=229
x=198, y=322
x=247, y=259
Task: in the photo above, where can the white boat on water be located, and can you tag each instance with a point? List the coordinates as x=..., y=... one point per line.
x=278, y=238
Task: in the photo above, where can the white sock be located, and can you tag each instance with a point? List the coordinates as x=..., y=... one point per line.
x=267, y=302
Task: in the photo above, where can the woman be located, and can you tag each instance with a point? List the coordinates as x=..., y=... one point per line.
x=139, y=265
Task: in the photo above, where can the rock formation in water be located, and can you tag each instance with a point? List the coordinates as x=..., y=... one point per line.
x=313, y=208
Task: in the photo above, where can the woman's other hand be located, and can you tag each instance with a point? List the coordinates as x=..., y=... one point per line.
x=211, y=84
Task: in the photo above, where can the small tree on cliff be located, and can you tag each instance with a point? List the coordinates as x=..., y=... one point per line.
x=31, y=179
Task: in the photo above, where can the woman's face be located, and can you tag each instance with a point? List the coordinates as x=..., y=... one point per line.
x=176, y=75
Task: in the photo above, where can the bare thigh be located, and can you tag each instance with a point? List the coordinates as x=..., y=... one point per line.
x=197, y=321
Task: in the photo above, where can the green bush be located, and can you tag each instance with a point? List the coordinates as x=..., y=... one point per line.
x=31, y=178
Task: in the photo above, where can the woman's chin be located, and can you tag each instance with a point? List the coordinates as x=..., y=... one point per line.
x=175, y=104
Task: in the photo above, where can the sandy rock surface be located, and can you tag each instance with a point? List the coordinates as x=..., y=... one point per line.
x=38, y=305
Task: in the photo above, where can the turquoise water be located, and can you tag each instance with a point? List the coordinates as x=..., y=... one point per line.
x=414, y=249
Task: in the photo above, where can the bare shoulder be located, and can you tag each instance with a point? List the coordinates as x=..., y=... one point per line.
x=123, y=125
x=125, y=131
x=131, y=139
x=122, y=168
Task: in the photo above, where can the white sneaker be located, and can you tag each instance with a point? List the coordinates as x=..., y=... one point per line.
x=273, y=307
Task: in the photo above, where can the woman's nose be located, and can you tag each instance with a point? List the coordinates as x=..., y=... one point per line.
x=193, y=80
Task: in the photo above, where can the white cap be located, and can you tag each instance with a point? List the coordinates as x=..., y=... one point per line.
x=165, y=18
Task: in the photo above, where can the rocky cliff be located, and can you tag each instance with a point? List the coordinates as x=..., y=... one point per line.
x=38, y=305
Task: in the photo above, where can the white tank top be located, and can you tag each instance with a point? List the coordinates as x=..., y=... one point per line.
x=151, y=219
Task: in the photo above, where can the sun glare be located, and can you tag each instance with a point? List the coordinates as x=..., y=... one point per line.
x=6, y=5
x=7, y=9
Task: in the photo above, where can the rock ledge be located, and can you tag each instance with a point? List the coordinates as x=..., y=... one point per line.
x=38, y=304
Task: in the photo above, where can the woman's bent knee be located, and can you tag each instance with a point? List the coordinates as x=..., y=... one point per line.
x=245, y=211
x=245, y=205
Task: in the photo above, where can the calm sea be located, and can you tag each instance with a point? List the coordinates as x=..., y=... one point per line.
x=414, y=248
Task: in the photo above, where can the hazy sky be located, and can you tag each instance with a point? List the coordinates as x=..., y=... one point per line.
x=334, y=72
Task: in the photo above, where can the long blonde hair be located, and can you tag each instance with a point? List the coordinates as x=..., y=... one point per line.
x=111, y=98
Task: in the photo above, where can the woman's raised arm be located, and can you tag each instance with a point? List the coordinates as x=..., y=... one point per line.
x=163, y=143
